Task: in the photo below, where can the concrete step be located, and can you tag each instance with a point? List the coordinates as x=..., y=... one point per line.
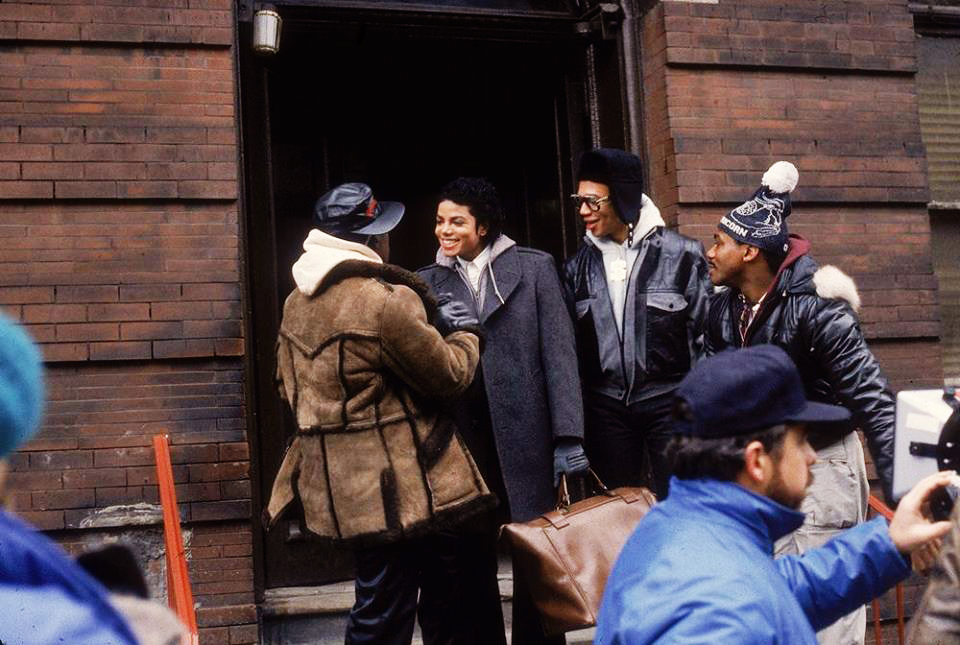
x=318, y=615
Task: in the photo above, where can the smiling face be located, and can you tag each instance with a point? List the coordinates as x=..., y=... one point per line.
x=725, y=259
x=604, y=222
x=457, y=231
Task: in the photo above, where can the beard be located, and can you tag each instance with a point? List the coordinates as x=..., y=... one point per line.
x=779, y=492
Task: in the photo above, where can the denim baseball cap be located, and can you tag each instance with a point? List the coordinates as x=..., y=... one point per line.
x=741, y=391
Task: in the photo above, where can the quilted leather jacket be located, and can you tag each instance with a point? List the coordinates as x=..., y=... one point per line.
x=665, y=311
x=822, y=335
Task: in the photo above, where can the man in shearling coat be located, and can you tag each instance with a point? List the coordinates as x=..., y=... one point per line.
x=776, y=294
x=374, y=463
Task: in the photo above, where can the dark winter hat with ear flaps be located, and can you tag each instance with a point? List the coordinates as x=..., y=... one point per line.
x=761, y=221
x=622, y=172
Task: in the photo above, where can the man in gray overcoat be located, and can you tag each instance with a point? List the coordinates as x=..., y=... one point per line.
x=522, y=417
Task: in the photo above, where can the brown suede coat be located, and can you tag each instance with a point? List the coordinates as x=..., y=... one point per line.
x=361, y=368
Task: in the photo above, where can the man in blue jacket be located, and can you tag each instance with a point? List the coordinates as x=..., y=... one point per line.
x=699, y=568
x=46, y=597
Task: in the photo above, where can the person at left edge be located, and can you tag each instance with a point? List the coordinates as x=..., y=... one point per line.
x=45, y=595
x=522, y=417
x=375, y=463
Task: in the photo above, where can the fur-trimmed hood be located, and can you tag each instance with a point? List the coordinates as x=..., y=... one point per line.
x=804, y=276
x=831, y=282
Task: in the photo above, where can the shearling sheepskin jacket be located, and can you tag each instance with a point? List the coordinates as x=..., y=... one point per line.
x=811, y=313
x=362, y=367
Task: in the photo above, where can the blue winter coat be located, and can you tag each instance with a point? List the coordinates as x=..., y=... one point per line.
x=699, y=569
x=47, y=598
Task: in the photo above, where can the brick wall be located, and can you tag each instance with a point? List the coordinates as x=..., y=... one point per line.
x=119, y=251
x=123, y=280
x=732, y=87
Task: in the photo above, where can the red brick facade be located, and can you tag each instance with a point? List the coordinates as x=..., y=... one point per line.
x=732, y=87
x=120, y=253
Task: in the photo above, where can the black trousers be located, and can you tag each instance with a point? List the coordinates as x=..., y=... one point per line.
x=455, y=578
x=626, y=444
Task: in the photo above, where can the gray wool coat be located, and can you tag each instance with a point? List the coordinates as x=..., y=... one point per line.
x=529, y=366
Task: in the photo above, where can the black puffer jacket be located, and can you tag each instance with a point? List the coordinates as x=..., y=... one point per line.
x=666, y=309
x=821, y=333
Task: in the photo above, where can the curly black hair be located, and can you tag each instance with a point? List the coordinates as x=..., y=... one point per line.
x=481, y=198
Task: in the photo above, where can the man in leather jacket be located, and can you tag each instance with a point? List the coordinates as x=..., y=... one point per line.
x=775, y=294
x=638, y=295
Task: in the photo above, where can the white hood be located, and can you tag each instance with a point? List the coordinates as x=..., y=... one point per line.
x=322, y=253
x=649, y=219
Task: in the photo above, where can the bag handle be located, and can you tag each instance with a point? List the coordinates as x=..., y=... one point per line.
x=563, y=493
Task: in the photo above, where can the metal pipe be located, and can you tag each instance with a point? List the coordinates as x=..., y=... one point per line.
x=634, y=90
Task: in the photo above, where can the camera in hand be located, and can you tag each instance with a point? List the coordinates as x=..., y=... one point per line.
x=927, y=441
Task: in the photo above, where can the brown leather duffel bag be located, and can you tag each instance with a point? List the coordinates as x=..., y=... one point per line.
x=566, y=555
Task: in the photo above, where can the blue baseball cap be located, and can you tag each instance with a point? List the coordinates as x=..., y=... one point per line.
x=21, y=386
x=742, y=391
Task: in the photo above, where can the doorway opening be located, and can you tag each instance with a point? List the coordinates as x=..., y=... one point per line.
x=404, y=108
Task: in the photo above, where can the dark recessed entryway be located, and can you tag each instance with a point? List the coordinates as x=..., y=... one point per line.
x=404, y=104
x=407, y=114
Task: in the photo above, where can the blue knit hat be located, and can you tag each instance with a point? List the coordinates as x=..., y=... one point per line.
x=761, y=221
x=21, y=387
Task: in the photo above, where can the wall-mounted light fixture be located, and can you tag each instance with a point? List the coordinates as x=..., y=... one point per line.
x=266, y=29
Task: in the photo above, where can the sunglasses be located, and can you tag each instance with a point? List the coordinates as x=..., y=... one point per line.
x=592, y=202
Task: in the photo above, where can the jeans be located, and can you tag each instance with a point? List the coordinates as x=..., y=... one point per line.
x=626, y=444
x=455, y=573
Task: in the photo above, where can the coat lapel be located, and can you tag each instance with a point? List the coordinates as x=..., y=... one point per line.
x=505, y=272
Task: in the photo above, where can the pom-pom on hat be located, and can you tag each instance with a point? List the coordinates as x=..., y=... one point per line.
x=622, y=173
x=761, y=221
x=21, y=387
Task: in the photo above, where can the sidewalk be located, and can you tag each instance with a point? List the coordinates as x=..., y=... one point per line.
x=317, y=615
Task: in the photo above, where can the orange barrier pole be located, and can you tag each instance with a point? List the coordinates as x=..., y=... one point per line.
x=885, y=510
x=877, y=633
x=179, y=595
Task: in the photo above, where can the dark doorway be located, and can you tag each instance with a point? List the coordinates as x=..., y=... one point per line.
x=404, y=107
x=406, y=115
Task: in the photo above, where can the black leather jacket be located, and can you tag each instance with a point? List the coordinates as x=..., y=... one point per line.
x=664, y=316
x=823, y=337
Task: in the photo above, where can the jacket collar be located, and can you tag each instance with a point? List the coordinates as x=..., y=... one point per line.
x=793, y=276
x=501, y=244
x=322, y=252
x=503, y=268
x=793, y=270
x=761, y=518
